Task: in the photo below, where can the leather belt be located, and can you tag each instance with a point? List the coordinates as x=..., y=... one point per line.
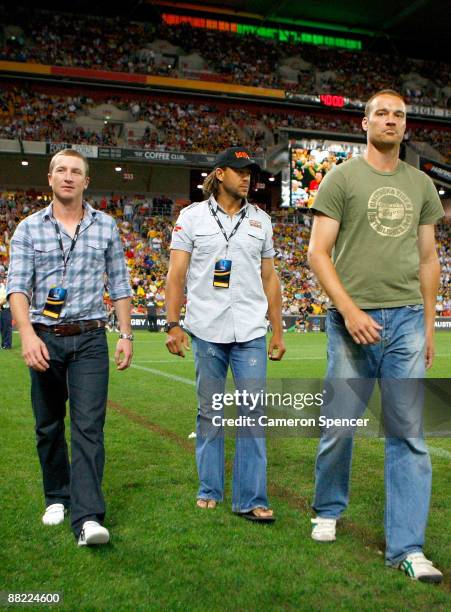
x=70, y=329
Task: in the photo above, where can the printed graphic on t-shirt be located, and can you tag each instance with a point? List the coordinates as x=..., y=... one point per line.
x=390, y=212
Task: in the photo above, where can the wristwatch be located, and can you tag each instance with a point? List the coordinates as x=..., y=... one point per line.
x=126, y=337
x=170, y=324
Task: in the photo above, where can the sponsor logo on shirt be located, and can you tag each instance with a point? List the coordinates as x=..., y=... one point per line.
x=390, y=212
x=255, y=223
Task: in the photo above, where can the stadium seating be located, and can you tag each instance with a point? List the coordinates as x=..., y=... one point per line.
x=53, y=114
x=183, y=51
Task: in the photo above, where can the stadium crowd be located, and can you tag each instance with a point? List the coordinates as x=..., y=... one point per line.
x=128, y=46
x=38, y=116
x=146, y=238
x=55, y=115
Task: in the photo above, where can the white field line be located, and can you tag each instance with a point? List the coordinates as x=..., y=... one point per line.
x=174, y=361
x=181, y=379
x=436, y=451
x=191, y=359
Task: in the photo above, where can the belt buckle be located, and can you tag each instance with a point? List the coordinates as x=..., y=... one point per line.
x=58, y=334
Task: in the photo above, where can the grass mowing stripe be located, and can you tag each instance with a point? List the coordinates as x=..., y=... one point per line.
x=434, y=450
x=293, y=500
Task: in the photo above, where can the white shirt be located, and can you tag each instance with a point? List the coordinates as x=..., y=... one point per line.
x=216, y=314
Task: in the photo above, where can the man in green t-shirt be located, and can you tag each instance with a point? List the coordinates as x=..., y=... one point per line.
x=373, y=250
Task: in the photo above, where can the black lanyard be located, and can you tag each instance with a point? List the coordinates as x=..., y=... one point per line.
x=72, y=246
x=235, y=229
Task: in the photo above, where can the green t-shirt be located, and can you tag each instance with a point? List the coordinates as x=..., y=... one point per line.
x=376, y=252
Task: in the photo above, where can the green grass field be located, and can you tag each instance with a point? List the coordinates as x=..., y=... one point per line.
x=167, y=554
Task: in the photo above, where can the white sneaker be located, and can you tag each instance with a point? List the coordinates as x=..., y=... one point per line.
x=93, y=533
x=54, y=514
x=417, y=567
x=324, y=529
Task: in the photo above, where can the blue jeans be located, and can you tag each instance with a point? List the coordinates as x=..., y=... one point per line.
x=248, y=364
x=397, y=357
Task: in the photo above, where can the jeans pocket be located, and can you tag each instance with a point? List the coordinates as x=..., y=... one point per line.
x=334, y=319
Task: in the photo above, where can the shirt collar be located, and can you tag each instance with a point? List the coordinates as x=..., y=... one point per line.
x=215, y=206
x=90, y=212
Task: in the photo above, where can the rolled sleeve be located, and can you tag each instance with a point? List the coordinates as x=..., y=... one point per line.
x=268, y=251
x=116, y=268
x=21, y=265
x=182, y=238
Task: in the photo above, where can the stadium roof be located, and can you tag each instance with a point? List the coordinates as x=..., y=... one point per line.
x=419, y=28
x=394, y=17
x=427, y=22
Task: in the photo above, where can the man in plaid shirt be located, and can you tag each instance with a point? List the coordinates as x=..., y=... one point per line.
x=60, y=257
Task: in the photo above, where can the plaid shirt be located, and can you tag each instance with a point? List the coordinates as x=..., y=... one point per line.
x=36, y=265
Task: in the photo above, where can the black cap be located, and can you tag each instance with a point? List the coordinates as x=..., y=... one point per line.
x=235, y=157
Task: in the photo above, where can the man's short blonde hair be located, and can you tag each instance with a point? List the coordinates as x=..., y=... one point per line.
x=70, y=153
x=382, y=92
